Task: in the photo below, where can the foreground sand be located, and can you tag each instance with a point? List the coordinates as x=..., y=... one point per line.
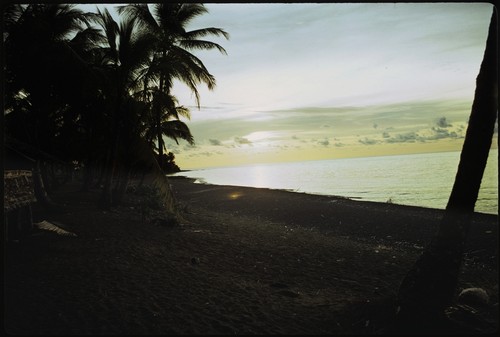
x=243, y=261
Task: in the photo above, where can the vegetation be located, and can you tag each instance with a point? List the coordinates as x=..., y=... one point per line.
x=97, y=94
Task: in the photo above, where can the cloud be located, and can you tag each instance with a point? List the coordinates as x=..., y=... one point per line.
x=188, y=147
x=368, y=141
x=242, y=141
x=412, y=137
x=408, y=137
x=324, y=142
x=215, y=142
x=204, y=154
x=443, y=123
x=440, y=133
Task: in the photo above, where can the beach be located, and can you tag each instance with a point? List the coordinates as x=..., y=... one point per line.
x=241, y=261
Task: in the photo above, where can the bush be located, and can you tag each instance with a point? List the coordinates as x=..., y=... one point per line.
x=149, y=198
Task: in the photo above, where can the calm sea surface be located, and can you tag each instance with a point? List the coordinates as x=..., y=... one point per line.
x=417, y=179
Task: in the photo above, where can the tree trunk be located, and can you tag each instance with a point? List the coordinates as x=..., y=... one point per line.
x=87, y=176
x=106, y=199
x=430, y=286
x=100, y=173
x=121, y=189
x=44, y=172
x=39, y=188
x=109, y=171
x=159, y=132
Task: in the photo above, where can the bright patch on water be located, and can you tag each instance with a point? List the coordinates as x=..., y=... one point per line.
x=417, y=179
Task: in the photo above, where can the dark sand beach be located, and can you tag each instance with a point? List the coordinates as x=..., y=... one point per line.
x=242, y=261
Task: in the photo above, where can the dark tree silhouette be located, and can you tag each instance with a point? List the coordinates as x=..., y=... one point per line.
x=42, y=73
x=430, y=286
x=125, y=60
x=172, y=58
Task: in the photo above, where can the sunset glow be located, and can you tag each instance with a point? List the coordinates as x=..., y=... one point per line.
x=318, y=81
x=321, y=81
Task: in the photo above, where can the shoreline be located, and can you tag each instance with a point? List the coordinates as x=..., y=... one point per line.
x=244, y=261
x=356, y=199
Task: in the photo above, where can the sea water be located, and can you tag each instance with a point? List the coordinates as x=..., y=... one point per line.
x=413, y=179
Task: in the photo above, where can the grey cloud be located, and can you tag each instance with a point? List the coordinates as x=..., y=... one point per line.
x=409, y=137
x=242, y=141
x=204, y=154
x=412, y=137
x=440, y=133
x=324, y=142
x=443, y=123
x=215, y=142
x=188, y=147
x=367, y=141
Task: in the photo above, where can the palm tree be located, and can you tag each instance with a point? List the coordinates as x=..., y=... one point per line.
x=125, y=61
x=172, y=57
x=430, y=286
x=170, y=124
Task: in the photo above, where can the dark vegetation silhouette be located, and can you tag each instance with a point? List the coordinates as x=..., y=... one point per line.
x=96, y=95
x=430, y=286
x=172, y=59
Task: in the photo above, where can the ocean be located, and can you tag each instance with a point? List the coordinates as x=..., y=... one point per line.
x=413, y=179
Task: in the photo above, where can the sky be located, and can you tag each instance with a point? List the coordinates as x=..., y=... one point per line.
x=318, y=81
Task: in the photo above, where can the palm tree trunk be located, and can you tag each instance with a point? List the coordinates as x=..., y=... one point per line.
x=87, y=175
x=121, y=189
x=100, y=172
x=158, y=124
x=45, y=176
x=430, y=286
x=39, y=188
x=108, y=174
x=106, y=199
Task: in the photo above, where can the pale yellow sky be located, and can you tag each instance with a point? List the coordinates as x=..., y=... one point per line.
x=322, y=81
x=328, y=133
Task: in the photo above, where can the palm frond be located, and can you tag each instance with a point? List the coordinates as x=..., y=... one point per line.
x=189, y=11
x=111, y=30
x=177, y=130
x=201, y=45
x=12, y=16
x=142, y=12
x=195, y=34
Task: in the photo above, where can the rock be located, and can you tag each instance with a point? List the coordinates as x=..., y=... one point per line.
x=473, y=296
